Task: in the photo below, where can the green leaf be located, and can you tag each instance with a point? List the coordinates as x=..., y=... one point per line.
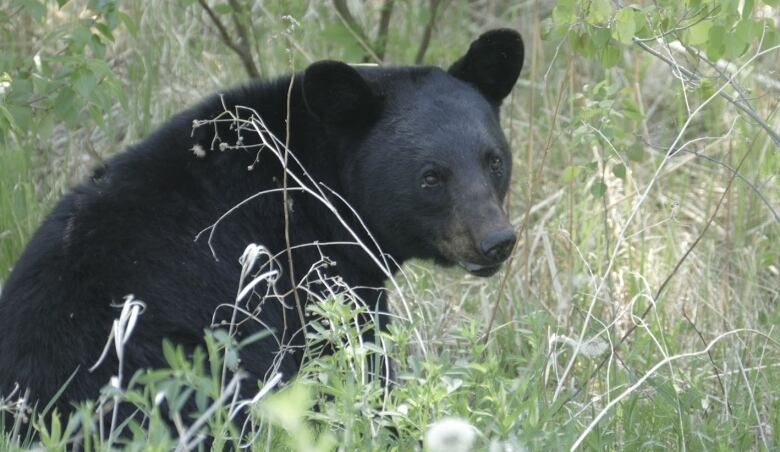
x=85, y=84
x=619, y=171
x=583, y=44
x=631, y=110
x=600, y=36
x=565, y=12
x=99, y=67
x=609, y=56
x=132, y=27
x=716, y=44
x=22, y=116
x=699, y=33
x=20, y=91
x=45, y=128
x=7, y=118
x=600, y=11
x=79, y=37
x=598, y=188
x=97, y=115
x=569, y=173
x=747, y=9
x=625, y=26
x=169, y=353
x=739, y=39
x=104, y=30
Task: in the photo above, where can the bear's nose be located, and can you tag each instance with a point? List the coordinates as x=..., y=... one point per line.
x=498, y=244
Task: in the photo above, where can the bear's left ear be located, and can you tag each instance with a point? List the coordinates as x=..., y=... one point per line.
x=337, y=94
x=492, y=63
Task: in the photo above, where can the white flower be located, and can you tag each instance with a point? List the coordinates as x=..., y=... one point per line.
x=450, y=434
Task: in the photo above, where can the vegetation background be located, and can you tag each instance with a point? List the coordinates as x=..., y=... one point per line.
x=640, y=308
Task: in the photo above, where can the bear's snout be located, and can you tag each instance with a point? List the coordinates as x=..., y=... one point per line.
x=498, y=245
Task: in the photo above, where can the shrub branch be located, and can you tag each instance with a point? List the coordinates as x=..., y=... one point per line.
x=242, y=47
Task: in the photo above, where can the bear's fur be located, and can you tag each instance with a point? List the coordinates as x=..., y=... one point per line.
x=416, y=151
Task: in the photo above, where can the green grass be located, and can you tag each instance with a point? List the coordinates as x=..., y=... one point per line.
x=523, y=387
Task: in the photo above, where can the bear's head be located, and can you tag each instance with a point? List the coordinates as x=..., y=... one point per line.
x=424, y=160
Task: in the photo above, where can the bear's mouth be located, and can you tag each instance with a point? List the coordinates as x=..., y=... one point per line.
x=480, y=270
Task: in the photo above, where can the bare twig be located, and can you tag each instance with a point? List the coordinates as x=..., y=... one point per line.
x=524, y=227
x=380, y=43
x=742, y=178
x=286, y=206
x=632, y=215
x=694, y=77
x=241, y=48
x=712, y=360
x=355, y=29
x=668, y=278
x=240, y=14
x=631, y=389
x=428, y=32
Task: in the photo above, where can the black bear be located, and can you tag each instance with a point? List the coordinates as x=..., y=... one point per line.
x=406, y=162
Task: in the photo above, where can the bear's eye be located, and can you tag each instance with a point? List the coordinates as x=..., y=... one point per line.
x=496, y=164
x=430, y=179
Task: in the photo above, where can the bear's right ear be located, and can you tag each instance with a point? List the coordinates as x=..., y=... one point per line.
x=492, y=63
x=337, y=94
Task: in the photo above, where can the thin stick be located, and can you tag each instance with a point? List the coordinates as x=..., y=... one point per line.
x=524, y=226
x=380, y=43
x=243, y=51
x=650, y=373
x=286, y=207
x=428, y=31
x=712, y=360
x=635, y=210
x=746, y=108
x=666, y=281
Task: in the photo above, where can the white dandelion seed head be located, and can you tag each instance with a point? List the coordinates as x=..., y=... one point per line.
x=450, y=434
x=198, y=151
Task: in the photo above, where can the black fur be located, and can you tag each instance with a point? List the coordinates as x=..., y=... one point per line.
x=377, y=136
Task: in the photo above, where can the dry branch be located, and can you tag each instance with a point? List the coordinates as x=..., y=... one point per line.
x=692, y=76
x=428, y=32
x=242, y=47
x=380, y=43
x=355, y=29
